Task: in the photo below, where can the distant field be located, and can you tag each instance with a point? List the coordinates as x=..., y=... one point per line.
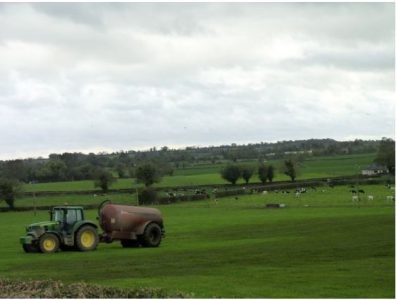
x=320, y=246
x=337, y=196
x=316, y=167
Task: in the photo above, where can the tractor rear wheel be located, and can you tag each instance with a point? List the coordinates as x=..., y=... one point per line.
x=152, y=235
x=49, y=243
x=87, y=238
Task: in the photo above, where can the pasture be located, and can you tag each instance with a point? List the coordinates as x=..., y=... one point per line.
x=207, y=174
x=320, y=245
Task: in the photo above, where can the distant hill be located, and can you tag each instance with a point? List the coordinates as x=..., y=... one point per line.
x=80, y=166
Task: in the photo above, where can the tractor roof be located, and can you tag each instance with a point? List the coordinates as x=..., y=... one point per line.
x=68, y=207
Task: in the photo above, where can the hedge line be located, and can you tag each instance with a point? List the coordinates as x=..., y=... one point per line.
x=57, y=289
x=190, y=187
x=163, y=200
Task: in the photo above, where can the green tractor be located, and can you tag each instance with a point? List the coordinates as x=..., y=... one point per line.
x=67, y=228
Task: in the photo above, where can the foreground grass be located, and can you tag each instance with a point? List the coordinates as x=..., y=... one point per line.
x=316, y=167
x=236, y=248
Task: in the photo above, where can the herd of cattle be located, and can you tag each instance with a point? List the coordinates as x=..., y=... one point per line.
x=354, y=190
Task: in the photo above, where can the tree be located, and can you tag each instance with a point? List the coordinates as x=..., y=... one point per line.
x=103, y=179
x=246, y=172
x=386, y=154
x=9, y=189
x=148, y=174
x=52, y=170
x=231, y=173
x=147, y=195
x=290, y=169
x=15, y=169
x=121, y=170
x=270, y=173
x=263, y=173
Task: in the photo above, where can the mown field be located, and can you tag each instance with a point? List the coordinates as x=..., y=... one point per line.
x=321, y=245
x=315, y=167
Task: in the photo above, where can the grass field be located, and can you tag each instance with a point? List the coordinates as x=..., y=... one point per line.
x=321, y=245
x=316, y=167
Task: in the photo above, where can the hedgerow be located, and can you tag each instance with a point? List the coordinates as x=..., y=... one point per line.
x=10, y=288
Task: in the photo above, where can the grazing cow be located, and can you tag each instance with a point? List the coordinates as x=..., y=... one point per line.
x=361, y=191
x=355, y=198
x=300, y=190
x=298, y=194
x=264, y=192
x=353, y=191
x=370, y=197
x=390, y=198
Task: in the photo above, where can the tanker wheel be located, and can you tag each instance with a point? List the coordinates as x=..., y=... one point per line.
x=130, y=243
x=49, y=243
x=87, y=238
x=151, y=236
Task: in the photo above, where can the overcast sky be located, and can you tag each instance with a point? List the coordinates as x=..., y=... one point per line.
x=103, y=77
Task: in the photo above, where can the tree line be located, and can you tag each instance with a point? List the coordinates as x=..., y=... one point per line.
x=266, y=173
x=146, y=167
x=79, y=166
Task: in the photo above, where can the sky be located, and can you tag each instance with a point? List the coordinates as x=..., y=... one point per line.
x=91, y=77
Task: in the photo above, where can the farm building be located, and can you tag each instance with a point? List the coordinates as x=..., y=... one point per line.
x=374, y=169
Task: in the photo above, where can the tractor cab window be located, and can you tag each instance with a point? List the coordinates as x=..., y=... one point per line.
x=57, y=215
x=73, y=215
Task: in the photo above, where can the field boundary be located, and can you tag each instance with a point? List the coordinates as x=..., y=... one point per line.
x=230, y=190
x=334, y=180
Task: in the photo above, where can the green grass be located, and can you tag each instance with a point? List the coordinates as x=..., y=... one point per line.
x=315, y=167
x=321, y=245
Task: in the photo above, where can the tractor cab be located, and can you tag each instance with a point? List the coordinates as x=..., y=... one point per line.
x=67, y=216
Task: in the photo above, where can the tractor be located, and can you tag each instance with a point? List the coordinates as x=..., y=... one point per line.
x=67, y=228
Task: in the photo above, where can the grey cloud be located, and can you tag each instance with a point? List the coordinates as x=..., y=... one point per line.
x=77, y=77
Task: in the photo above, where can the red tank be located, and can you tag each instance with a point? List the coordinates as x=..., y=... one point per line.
x=124, y=222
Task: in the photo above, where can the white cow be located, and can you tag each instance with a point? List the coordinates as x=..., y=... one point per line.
x=355, y=198
x=370, y=197
x=264, y=192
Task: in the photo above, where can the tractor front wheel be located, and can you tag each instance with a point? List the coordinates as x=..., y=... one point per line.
x=49, y=243
x=29, y=248
x=87, y=238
